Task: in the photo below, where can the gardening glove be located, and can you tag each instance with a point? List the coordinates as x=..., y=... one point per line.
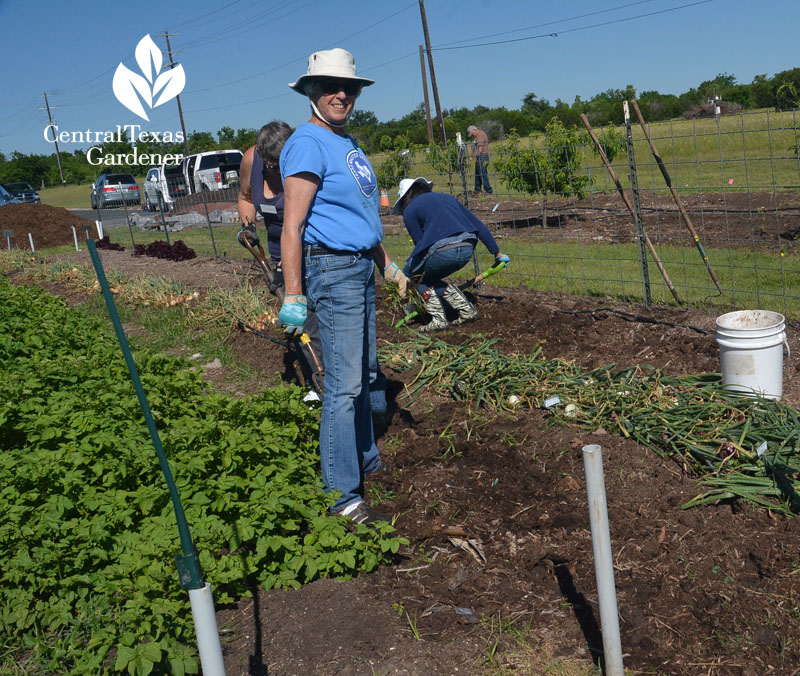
x=249, y=233
x=293, y=314
x=391, y=273
x=502, y=258
x=277, y=279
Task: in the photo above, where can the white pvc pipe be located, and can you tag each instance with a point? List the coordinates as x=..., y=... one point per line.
x=75, y=237
x=205, y=627
x=603, y=561
x=30, y=239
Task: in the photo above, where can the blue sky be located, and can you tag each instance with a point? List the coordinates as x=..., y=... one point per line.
x=239, y=55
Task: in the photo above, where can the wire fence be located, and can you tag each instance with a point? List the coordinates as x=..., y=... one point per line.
x=710, y=217
x=727, y=238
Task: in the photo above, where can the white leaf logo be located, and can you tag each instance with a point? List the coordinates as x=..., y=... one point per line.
x=147, y=53
x=129, y=86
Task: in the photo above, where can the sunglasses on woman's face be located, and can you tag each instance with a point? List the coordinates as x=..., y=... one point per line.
x=332, y=86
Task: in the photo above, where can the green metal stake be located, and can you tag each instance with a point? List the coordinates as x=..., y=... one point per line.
x=188, y=563
x=637, y=214
x=163, y=220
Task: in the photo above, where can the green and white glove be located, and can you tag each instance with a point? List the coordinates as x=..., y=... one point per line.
x=391, y=273
x=293, y=313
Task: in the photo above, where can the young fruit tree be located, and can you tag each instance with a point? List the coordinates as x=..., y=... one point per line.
x=555, y=167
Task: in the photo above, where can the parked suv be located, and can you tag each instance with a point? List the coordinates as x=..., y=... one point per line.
x=24, y=192
x=115, y=189
x=167, y=181
x=213, y=170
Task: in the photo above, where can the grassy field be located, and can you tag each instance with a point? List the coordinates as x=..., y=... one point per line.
x=752, y=152
x=69, y=197
x=72, y=196
x=749, y=280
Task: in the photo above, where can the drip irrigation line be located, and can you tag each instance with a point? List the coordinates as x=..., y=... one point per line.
x=638, y=318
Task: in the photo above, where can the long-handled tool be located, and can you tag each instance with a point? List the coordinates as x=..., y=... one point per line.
x=412, y=312
x=677, y=199
x=245, y=236
x=628, y=204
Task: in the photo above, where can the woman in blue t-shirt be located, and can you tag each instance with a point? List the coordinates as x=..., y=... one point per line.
x=261, y=192
x=330, y=244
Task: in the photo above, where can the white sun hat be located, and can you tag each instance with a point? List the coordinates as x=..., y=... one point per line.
x=336, y=63
x=405, y=186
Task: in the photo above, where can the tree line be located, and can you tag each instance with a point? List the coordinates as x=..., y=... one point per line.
x=781, y=92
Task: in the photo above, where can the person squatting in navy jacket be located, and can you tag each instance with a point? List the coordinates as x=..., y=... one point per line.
x=444, y=233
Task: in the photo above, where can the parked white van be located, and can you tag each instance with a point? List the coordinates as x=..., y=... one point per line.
x=166, y=181
x=212, y=170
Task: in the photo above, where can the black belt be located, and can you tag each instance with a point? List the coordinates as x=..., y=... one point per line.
x=322, y=250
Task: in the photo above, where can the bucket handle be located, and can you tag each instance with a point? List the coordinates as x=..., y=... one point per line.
x=786, y=343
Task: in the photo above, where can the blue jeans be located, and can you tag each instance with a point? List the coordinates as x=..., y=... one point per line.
x=439, y=265
x=341, y=289
x=482, y=174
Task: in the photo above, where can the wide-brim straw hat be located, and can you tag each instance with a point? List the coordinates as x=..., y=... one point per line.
x=405, y=186
x=337, y=63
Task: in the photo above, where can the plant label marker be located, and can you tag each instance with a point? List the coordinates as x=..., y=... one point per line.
x=75, y=237
x=550, y=402
x=8, y=234
x=30, y=239
x=99, y=227
x=86, y=234
x=762, y=449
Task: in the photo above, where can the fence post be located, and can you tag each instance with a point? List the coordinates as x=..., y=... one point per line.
x=637, y=206
x=462, y=169
x=208, y=220
x=163, y=219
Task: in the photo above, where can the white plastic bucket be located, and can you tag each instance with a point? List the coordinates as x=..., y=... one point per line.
x=751, y=351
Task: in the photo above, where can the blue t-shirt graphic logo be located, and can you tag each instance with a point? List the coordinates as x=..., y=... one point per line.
x=362, y=172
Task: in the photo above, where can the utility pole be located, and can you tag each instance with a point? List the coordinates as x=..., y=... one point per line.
x=55, y=141
x=425, y=92
x=439, y=117
x=166, y=34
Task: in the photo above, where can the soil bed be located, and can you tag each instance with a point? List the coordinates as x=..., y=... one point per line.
x=711, y=590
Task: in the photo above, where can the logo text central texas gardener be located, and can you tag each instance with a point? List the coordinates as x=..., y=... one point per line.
x=154, y=86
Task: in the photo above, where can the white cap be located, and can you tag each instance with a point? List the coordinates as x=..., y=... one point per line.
x=405, y=186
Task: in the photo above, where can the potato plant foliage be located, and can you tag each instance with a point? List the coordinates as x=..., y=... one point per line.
x=88, y=583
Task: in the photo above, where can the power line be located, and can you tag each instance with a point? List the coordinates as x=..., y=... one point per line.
x=548, y=23
x=574, y=30
x=239, y=28
x=214, y=11
x=301, y=59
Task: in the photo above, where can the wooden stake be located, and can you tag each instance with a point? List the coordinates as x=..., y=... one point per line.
x=677, y=199
x=628, y=204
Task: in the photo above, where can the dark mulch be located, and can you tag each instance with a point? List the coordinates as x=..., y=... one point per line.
x=49, y=226
x=711, y=590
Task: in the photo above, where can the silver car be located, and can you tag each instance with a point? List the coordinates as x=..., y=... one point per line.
x=115, y=189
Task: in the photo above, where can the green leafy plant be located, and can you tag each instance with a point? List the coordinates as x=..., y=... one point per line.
x=87, y=534
x=555, y=169
x=397, y=162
